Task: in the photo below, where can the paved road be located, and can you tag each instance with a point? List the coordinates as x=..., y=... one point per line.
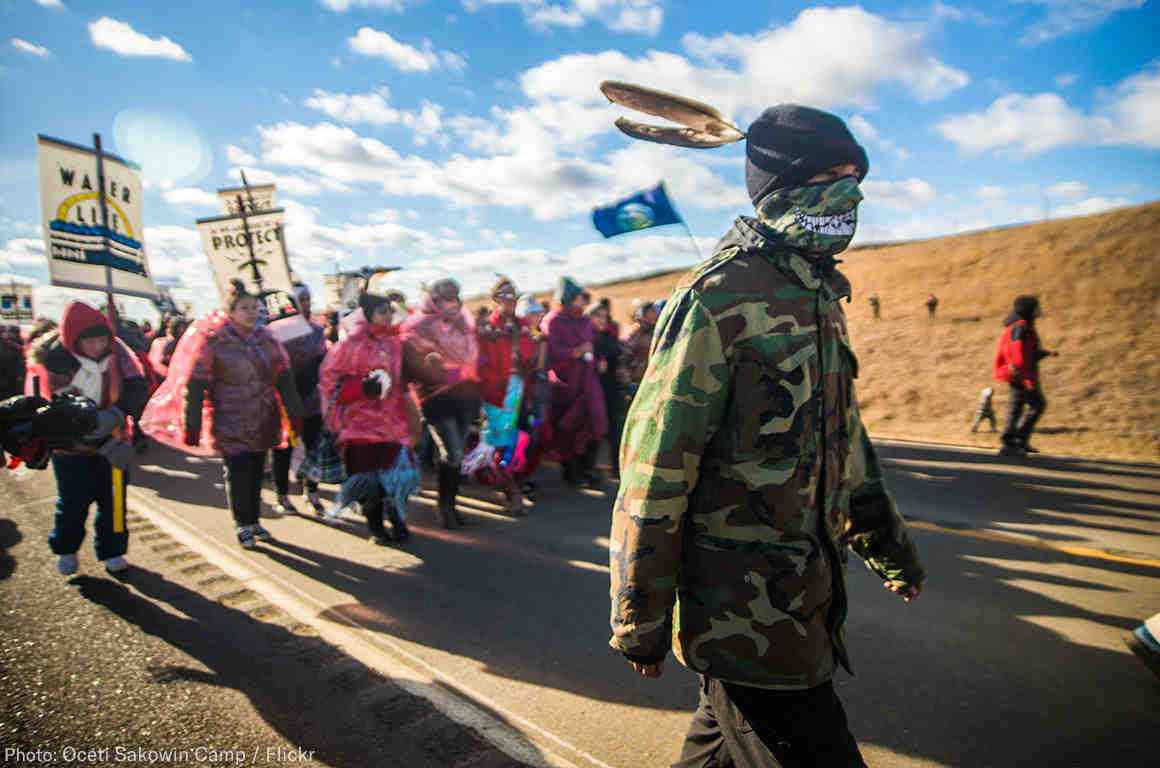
x=175, y=662
x=1013, y=655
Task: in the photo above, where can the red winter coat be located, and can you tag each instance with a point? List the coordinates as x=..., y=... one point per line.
x=352, y=417
x=1017, y=355
x=495, y=356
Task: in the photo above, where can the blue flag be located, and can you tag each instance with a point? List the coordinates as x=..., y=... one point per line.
x=650, y=208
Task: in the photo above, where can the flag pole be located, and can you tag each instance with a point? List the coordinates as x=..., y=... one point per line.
x=685, y=224
x=102, y=206
x=693, y=240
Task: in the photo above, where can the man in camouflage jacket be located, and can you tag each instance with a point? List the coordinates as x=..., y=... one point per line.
x=746, y=470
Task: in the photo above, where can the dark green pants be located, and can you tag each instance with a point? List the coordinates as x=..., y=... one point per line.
x=743, y=727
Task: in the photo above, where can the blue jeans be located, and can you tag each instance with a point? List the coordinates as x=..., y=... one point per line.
x=82, y=481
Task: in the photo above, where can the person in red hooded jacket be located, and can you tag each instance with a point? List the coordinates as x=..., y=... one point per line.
x=1017, y=357
x=84, y=357
x=367, y=408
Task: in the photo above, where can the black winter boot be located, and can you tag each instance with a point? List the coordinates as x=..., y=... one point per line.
x=399, y=530
x=448, y=482
x=373, y=511
x=454, y=478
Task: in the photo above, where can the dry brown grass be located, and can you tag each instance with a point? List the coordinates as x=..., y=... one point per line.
x=1098, y=280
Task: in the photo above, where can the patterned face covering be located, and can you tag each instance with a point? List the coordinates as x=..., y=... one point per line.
x=815, y=219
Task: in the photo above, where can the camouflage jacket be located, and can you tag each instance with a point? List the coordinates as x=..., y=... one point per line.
x=745, y=474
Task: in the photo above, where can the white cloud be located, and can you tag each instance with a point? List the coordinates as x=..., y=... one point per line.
x=1065, y=17
x=30, y=48
x=376, y=44
x=632, y=16
x=902, y=195
x=1066, y=79
x=536, y=178
x=374, y=108
x=291, y=185
x=1089, y=206
x=990, y=193
x=190, y=197
x=238, y=156
x=826, y=57
x=1126, y=115
x=342, y=6
x=940, y=10
x=56, y=5
x=538, y=156
x=122, y=39
x=865, y=132
x=1067, y=189
x=22, y=253
x=1132, y=114
x=1027, y=124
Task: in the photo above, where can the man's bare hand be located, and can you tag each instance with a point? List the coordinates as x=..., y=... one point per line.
x=648, y=670
x=907, y=592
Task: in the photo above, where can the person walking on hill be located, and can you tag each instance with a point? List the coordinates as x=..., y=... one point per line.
x=1017, y=357
x=85, y=358
x=245, y=374
x=986, y=410
x=931, y=305
x=876, y=306
x=746, y=470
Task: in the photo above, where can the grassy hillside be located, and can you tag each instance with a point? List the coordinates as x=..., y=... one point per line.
x=1098, y=280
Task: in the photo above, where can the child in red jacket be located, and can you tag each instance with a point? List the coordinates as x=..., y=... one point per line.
x=85, y=358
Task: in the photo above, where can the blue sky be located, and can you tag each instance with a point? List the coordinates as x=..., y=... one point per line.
x=467, y=137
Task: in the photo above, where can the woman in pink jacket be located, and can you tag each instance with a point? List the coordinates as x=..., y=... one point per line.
x=366, y=407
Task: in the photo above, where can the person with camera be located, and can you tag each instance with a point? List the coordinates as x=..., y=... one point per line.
x=84, y=357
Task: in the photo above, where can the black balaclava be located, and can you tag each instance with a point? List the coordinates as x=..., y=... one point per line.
x=789, y=143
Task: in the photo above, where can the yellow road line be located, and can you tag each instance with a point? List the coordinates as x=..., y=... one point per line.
x=1027, y=541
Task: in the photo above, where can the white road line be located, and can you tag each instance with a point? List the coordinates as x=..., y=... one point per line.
x=366, y=646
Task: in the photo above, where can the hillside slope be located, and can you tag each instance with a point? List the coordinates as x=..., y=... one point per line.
x=1098, y=279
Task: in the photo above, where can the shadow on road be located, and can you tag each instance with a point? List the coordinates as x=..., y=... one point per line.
x=1005, y=660
x=284, y=675
x=980, y=491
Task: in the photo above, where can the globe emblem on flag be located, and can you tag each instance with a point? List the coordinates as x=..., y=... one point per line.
x=635, y=216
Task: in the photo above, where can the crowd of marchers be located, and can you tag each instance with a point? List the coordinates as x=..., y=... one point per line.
x=370, y=399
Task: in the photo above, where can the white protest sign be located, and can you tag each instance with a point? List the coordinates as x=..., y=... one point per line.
x=82, y=253
x=227, y=244
x=254, y=199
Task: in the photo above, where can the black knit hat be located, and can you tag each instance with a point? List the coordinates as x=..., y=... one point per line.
x=790, y=143
x=1025, y=306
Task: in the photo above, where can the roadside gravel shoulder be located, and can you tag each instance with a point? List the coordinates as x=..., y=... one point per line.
x=177, y=663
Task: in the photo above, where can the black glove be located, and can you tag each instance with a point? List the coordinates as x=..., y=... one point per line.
x=372, y=387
